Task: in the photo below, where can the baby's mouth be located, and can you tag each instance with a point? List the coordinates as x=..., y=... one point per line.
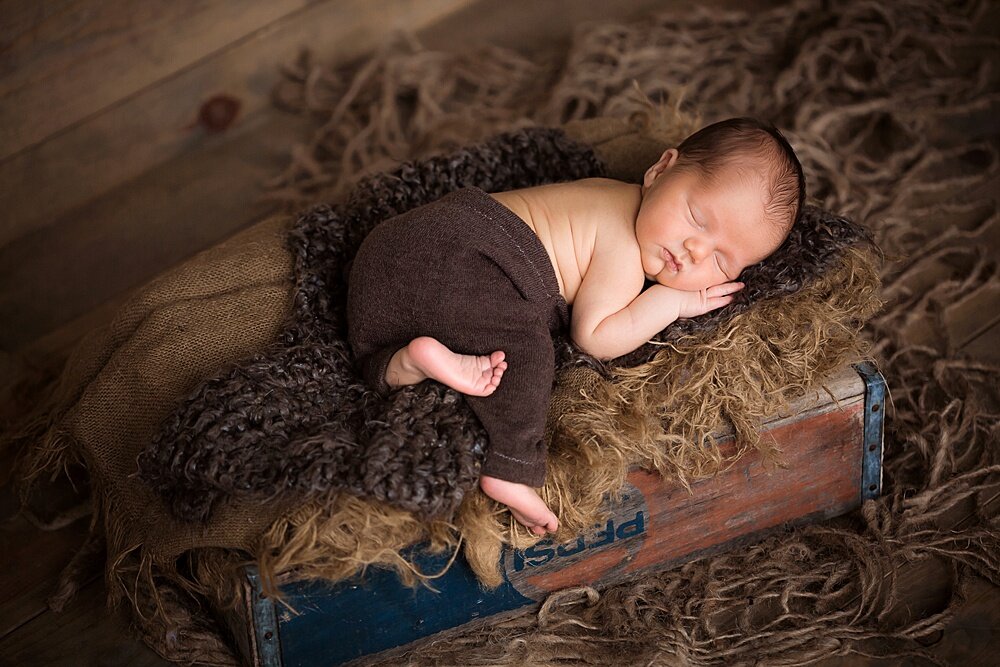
x=672, y=263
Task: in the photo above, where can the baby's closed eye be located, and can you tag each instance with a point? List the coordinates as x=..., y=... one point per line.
x=694, y=220
x=718, y=263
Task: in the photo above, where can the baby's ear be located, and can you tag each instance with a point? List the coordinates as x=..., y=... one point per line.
x=665, y=162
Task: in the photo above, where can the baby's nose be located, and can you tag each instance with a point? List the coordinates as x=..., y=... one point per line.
x=697, y=249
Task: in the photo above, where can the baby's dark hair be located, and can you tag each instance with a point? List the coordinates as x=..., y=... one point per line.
x=726, y=142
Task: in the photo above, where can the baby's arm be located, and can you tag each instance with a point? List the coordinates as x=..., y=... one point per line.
x=648, y=314
x=613, y=316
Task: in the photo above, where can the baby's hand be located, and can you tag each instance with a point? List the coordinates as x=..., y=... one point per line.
x=530, y=510
x=703, y=301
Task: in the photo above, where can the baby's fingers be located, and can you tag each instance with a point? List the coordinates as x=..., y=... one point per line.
x=716, y=302
x=723, y=289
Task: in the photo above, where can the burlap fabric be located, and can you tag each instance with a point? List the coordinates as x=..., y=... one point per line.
x=121, y=380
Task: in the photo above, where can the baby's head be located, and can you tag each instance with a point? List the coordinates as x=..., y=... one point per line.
x=724, y=199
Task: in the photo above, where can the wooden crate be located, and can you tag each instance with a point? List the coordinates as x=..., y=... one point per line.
x=832, y=444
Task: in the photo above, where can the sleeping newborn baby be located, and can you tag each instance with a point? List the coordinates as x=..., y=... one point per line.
x=468, y=290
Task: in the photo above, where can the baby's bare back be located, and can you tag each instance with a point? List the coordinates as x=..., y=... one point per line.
x=574, y=221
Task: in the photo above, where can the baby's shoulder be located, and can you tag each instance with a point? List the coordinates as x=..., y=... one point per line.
x=599, y=181
x=602, y=197
x=596, y=186
x=607, y=206
x=604, y=213
x=597, y=213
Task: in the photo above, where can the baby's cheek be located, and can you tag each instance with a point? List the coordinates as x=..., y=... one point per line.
x=677, y=281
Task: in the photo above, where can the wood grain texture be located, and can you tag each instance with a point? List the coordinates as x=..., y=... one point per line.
x=974, y=315
x=37, y=557
x=86, y=632
x=924, y=583
x=820, y=478
x=160, y=122
x=34, y=557
x=124, y=239
x=986, y=347
x=62, y=64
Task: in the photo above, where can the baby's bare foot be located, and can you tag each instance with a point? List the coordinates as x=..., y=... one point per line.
x=469, y=374
x=523, y=502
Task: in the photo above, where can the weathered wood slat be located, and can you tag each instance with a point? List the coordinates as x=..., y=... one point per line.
x=123, y=239
x=85, y=633
x=32, y=557
x=986, y=346
x=60, y=67
x=20, y=15
x=820, y=478
x=529, y=26
x=160, y=122
x=972, y=316
x=841, y=387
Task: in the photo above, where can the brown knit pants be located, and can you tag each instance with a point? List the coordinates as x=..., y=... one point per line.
x=469, y=272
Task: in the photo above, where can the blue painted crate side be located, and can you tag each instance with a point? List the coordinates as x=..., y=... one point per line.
x=375, y=612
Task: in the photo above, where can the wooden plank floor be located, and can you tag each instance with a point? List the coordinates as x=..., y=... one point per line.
x=184, y=208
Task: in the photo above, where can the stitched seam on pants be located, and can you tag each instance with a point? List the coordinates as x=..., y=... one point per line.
x=511, y=458
x=521, y=250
